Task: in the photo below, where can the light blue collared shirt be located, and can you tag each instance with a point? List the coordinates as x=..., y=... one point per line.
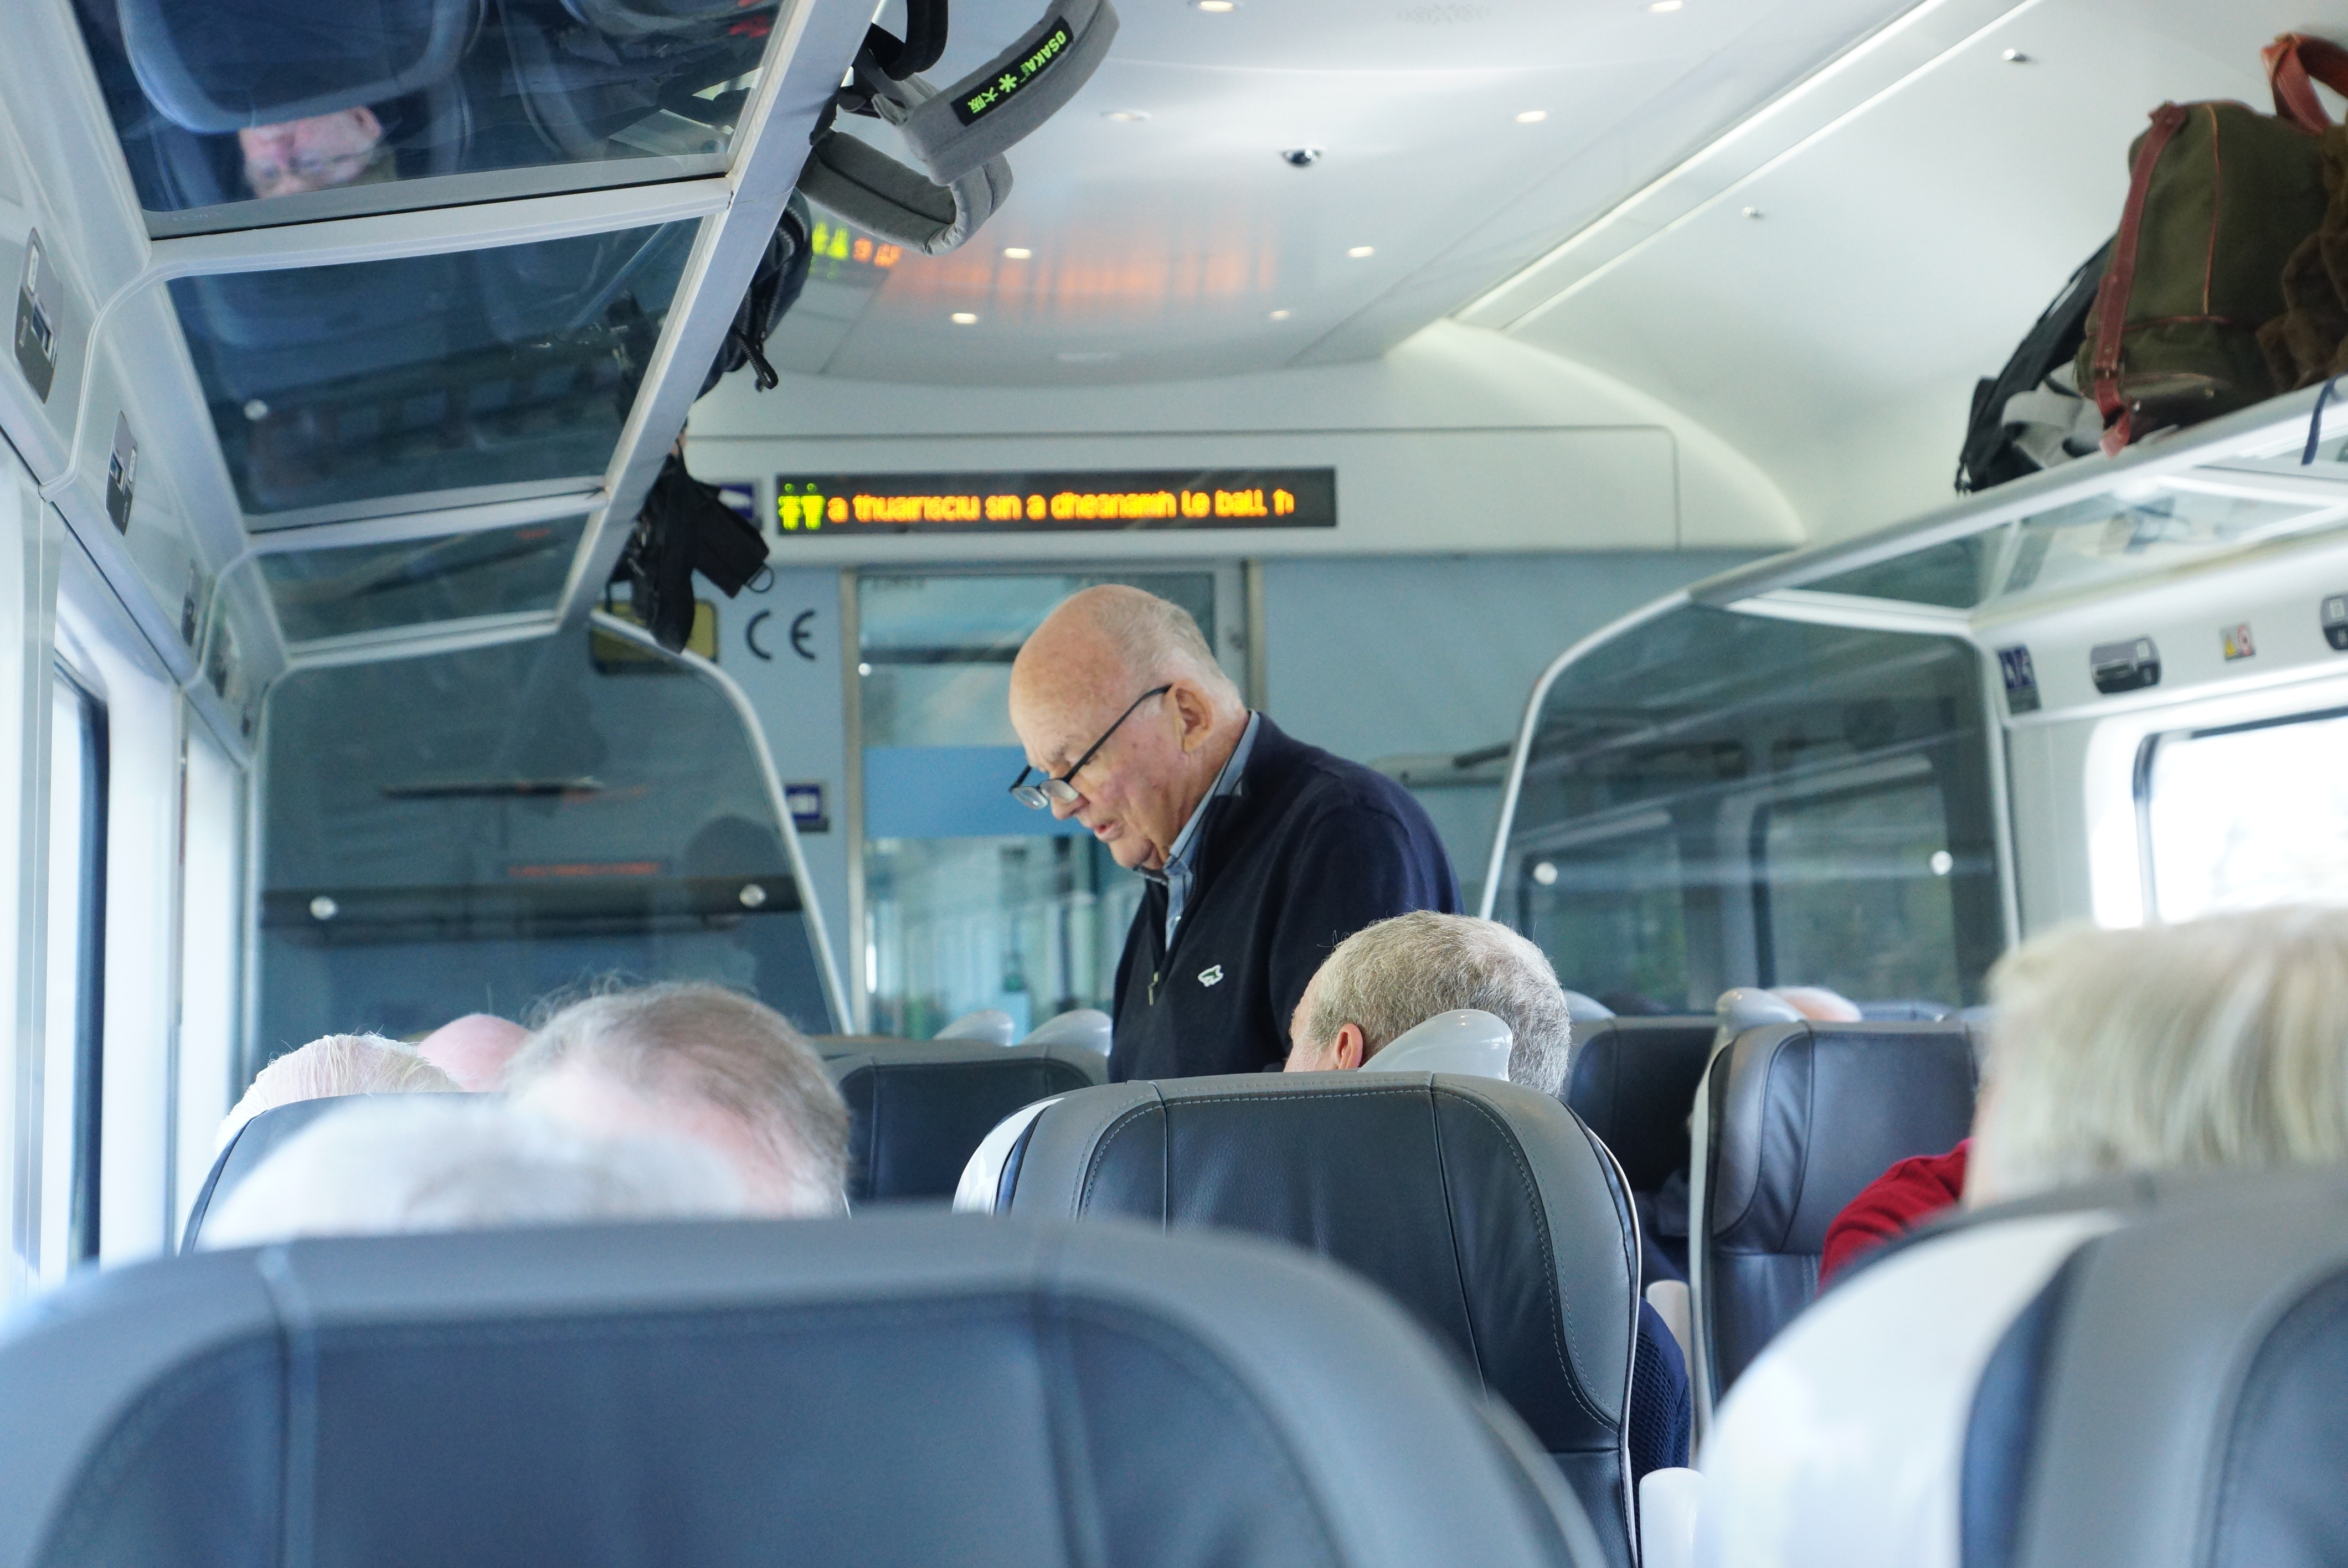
x=1181, y=868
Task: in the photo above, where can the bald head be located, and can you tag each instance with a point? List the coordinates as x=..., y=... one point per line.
x=1087, y=663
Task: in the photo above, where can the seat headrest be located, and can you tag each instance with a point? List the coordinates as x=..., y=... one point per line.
x=277, y=60
x=255, y=1141
x=1634, y=1081
x=1087, y=1027
x=991, y=1025
x=897, y=1389
x=1582, y=1009
x=1482, y=1206
x=1465, y=1041
x=918, y=1109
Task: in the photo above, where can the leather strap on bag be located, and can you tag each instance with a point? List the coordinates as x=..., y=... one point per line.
x=2119, y=283
x=2295, y=62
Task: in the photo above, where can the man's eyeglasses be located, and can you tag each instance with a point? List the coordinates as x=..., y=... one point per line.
x=1036, y=796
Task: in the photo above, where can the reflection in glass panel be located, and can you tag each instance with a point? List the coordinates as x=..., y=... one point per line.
x=2104, y=538
x=2243, y=816
x=472, y=831
x=256, y=101
x=1854, y=885
x=1956, y=575
x=971, y=899
x=368, y=588
x=1716, y=800
x=517, y=365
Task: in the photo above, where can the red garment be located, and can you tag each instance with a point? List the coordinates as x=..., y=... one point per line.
x=1902, y=1197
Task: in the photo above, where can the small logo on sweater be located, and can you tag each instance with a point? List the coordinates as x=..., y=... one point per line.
x=1212, y=976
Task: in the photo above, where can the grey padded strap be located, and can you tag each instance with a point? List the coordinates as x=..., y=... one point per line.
x=989, y=111
x=874, y=191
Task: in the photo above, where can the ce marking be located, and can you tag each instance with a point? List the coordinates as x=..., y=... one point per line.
x=801, y=629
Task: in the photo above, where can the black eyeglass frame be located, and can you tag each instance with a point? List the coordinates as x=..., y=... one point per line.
x=1036, y=798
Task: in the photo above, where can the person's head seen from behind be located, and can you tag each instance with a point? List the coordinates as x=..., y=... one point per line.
x=699, y=1062
x=1388, y=977
x=332, y=1066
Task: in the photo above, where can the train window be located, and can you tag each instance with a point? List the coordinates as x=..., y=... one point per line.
x=1714, y=799
x=2245, y=815
x=472, y=831
x=501, y=371
x=970, y=900
x=375, y=588
x=220, y=110
x=74, y=1023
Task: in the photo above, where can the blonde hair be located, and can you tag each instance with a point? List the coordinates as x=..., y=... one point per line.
x=334, y=1065
x=1394, y=975
x=2217, y=1042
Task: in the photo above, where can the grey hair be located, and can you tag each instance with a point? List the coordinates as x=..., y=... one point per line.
x=334, y=1065
x=1155, y=638
x=388, y=1167
x=2219, y=1042
x=1393, y=976
x=706, y=1043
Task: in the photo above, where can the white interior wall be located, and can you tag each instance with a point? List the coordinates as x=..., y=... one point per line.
x=1459, y=440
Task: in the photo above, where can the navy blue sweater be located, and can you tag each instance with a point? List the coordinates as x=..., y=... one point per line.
x=1308, y=851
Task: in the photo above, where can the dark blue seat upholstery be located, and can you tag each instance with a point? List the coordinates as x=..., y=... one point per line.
x=902, y=1389
x=918, y=1109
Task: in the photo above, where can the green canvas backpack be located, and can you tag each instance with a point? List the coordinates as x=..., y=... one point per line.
x=2219, y=198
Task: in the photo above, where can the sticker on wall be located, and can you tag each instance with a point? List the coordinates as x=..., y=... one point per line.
x=806, y=802
x=2336, y=622
x=2129, y=666
x=121, y=475
x=2020, y=679
x=36, y=315
x=2236, y=641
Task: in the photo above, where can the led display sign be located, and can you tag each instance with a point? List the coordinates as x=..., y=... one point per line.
x=1047, y=503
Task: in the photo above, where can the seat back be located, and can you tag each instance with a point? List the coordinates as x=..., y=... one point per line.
x=898, y=1388
x=918, y=1109
x=1798, y=1117
x=279, y=60
x=1634, y=1083
x=2171, y=1398
x=254, y=1142
x=1483, y=1207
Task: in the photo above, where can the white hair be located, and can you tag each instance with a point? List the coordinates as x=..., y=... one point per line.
x=332, y=1066
x=1157, y=639
x=2219, y=1042
x=388, y=1167
x=1393, y=976
x=708, y=1045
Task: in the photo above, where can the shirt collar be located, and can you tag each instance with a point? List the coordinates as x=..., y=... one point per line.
x=1226, y=783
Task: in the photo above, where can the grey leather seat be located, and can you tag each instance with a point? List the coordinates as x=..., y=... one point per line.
x=2172, y=1398
x=254, y=1142
x=903, y=1389
x=917, y=1109
x=1799, y=1119
x=1484, y=1207
x=1634, y=1083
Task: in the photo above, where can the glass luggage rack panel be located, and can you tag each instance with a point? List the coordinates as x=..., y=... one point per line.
x=336, y=592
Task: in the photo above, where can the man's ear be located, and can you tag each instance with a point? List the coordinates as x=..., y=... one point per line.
x=1350, y=1048
x=1197, y=715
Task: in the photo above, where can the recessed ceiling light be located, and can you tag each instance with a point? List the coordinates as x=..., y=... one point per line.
x=1280, y=316
x=1755, y=213
x=2016, y=57
x=1130, y=115
x=964, y=319
x=1216, y=5
x=1358, y=252
x=1532, y=117
x=1017, y=252
x=1660, y=6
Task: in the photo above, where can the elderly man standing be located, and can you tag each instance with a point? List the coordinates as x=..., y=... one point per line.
x=1261, y=852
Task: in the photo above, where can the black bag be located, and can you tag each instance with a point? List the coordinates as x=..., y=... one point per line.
x=2028, y=418
x=773, y=289
x=684, y=528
